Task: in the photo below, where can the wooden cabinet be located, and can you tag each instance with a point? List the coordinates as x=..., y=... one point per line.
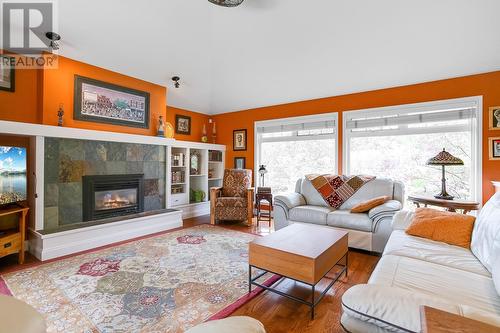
x=12, y=240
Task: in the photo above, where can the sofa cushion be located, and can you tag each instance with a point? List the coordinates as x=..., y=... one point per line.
x=486, y=235
x=448, y=227
x=310, y=214
x=365, y=206
x=402, y=244
x=312, y=195
x=375, y=188
x=451, y=284
x=398, y=310
x=346, y=219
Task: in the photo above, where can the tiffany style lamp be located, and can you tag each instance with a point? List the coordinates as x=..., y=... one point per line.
x=444, y=159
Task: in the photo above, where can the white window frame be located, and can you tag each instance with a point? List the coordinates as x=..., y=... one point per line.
x=477, y=132
x=332, y=116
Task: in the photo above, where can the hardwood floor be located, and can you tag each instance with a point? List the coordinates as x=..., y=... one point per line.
x=278, y=314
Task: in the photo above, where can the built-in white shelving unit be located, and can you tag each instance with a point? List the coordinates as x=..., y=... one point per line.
x=189, y=180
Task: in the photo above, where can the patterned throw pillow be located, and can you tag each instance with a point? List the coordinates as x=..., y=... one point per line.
x=450, y=228
x=365, y=206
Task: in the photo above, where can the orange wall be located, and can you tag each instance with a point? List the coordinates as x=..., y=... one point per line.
x=39, y=93
x=197, y=121
x=58, y=86
x=22, y=104
x=486, y=85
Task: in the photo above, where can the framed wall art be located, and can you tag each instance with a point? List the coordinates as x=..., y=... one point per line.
x=240, y=140
x=239, y=162
x=104, y=102
x=494, y=118
x=7, y=74
x=182, y=124
x=494, y=148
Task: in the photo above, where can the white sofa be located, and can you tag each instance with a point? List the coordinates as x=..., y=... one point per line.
x=415, y=271
x=367, y=231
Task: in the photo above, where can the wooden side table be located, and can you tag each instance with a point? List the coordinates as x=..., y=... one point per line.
x=438, y=321
x=264, y=214
x=12, y=240
x=450, y=205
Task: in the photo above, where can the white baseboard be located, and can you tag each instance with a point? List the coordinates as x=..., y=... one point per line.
x=59, y=244
x=195, y=209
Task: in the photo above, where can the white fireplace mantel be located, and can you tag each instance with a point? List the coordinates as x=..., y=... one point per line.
x=17, y=128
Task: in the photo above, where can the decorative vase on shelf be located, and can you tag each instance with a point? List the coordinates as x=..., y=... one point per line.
x=169, y=130
x=161, y=127
x=204, y=137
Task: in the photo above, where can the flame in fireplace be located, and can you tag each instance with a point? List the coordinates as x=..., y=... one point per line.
x=115, y=201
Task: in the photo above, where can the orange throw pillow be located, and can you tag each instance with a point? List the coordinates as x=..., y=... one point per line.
x=365, y=206
x=450, y=228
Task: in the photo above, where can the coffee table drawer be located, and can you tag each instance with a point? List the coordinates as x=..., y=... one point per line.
x=287, y=264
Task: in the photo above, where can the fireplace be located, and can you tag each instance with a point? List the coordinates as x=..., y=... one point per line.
x=112, y=195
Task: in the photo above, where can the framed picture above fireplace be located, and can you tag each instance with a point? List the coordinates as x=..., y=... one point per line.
x=104, y=102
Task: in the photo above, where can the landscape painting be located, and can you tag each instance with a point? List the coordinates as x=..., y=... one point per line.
x=108, y=103
x=12, y=174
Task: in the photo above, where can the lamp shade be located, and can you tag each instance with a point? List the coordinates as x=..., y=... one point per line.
x=445, y=158
x=262, y=169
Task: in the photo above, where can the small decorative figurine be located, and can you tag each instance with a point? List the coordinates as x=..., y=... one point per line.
x=204, y=137
x=60, y=114
x=161, y=127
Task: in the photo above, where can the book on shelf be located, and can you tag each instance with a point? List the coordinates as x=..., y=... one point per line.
x=215, y=156
x=178, y=160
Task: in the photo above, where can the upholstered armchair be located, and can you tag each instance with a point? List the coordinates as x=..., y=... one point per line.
x=234, y=200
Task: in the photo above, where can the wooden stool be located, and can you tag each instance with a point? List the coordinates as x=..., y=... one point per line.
x=262, y=213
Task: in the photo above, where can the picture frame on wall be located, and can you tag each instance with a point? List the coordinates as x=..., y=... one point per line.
x=494, y=118
x=7, y=74
x=240, y=140
x=182, y=124
x=108, y=103
x=239, y=162
x=494, y=148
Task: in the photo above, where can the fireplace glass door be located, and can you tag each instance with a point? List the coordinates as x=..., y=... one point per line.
x=125, y=198
x=112, y=196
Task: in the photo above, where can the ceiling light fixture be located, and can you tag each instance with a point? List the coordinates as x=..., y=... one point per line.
x=54, y=39
x=226, y=3
x=176, y=80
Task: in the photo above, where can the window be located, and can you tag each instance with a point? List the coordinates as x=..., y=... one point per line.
x=290, y=148
x=396, y=142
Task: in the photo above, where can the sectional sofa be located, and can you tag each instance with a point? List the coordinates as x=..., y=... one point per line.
x=415, y=271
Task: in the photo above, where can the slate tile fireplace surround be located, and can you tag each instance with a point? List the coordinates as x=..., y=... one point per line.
x=71, y=165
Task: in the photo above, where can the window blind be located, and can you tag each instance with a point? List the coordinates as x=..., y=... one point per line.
x=295, y=127
x=405, y=118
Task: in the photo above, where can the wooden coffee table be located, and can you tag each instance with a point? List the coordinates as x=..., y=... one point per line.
x=300, y=252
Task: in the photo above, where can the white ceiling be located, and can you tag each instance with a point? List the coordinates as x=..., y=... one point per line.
x=268, y=52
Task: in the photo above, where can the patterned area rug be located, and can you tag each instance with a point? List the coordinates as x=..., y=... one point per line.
x=166, y=283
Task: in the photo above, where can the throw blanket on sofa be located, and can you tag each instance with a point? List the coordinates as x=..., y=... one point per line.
x=337, y=189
